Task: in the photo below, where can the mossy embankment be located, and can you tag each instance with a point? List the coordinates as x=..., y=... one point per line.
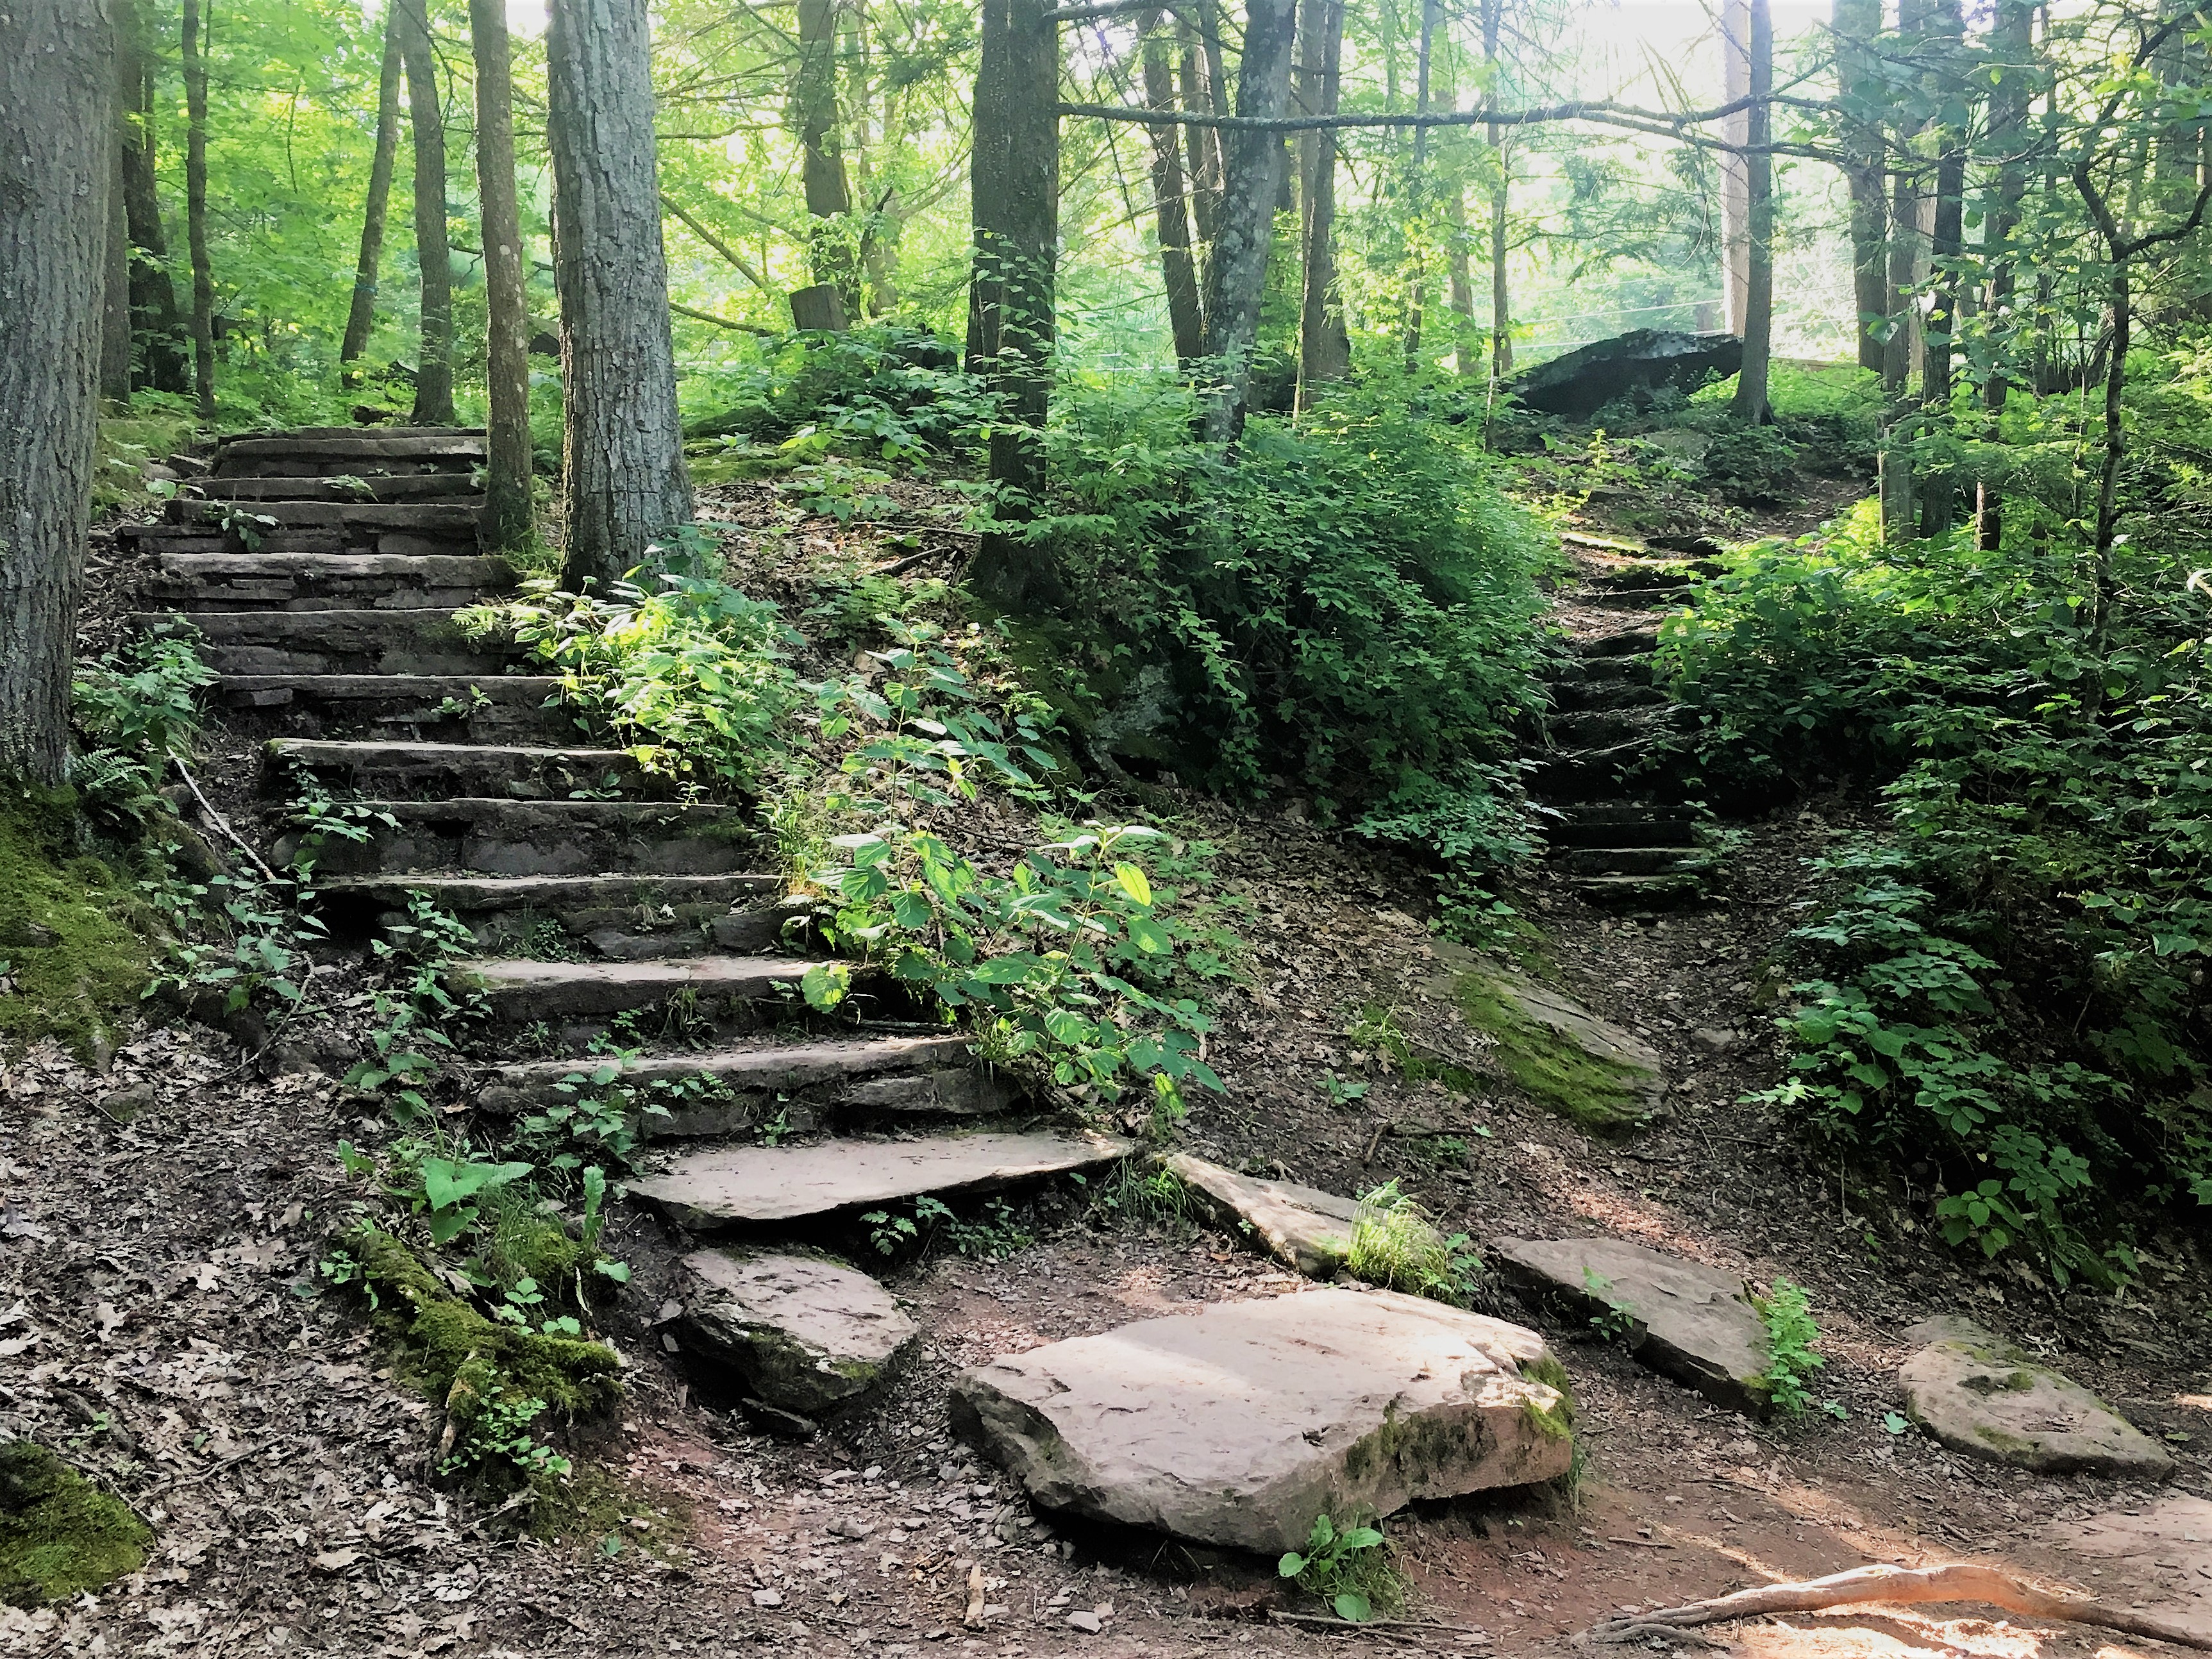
x=60, y=1535
x=77, y=940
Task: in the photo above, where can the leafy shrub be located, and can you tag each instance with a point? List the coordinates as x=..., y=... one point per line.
x=1751, y=465
x=134, y=709
x=1394, y=1244
x=886, y=388
x=1792, y=1360
x=1349, y=1567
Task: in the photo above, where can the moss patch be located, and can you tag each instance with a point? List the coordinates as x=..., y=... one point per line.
x=1601, y=1095
x=1557, y=1419
x=59, y=1533
x=76, y=964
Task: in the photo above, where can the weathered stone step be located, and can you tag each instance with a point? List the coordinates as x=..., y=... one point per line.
x=437, y=771
x=1602, y=825
x=730, y=1186
x=1237, y=1425
x=449, y=519
x=809, y=1082
x=338, y=643
x=1645, y=893
x=1632, y=578
x=166, y=540
x=618, y=918
x=1636, y=598
x=1597, y=670
x=1980, y=1395
x=1630, y=642
x=1603, y=728
x=714, y=989
x=309, y=581
x=1575, y=774
x=1628, y=860
x=1580, y=695
x=804, y=1333
x=326, y=452
x=301, y=433
x=459, y=488
x=513, y=708
x=505, y=836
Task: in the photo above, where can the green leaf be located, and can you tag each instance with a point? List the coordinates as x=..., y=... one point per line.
x=824, y=985
x=1291, y=1564
x=1360, y=1538
x=1133, y=883
x=1353, y=1607
x=1151, y=937
x=445, y=1183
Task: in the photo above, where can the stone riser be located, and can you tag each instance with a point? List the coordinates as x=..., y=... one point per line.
x=264, y=642
x=343, y=542
x=456, y=487
x=391, y=708
x=448, y=771
x=612, y=918
x=1595, y=697
x=434, y=518
x=298, y=581
x=500, y=838
x=1641, y=894
x=1629, y=860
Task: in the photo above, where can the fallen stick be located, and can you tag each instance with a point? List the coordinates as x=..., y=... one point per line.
x=217, y=818
x=1955, y=1581
x=1329, y=1621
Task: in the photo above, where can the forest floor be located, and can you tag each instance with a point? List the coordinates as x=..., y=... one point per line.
x=160, y=1316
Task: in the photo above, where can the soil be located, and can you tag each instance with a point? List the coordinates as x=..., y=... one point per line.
x=162, y=1323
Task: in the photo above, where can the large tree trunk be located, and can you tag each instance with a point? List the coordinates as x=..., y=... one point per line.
x=195, y=65
x=2012, y=44
x=115, y=275
x=426, y=114
x=1178, y=271
x=156, y=326
x=1855, y=24
x=1735, y=179
x=1501, y=192
x=1418, y=203
x=360, y=317
x=621, y=476
x=1205, y=92
x=1015, y=216
x=814, y=109
x=1759, y=225
x=1252, y=162
x=506, y=333
x=1324, y=342
x=56, y=96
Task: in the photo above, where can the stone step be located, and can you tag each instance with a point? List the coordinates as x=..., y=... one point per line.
x=459, y=488
x=1582, y=696
x=1644, y=893
x=1605, y=671
x=1636, y=599
x=165, y=540
x=328, y=453
x=456, y=519
x=617, y=918
x=401, y=707
x=1635, y=826
x=722, y=1187
x=337, y=642
x=1602, y=728
x=714, y=990
x=509, y=837
x=441, y=771
x=295, y=581
x=729, y=1091
x=1629, y=642
x=1573, y=775
x=1629, y=861
x=1640, y=577
x=300, y=433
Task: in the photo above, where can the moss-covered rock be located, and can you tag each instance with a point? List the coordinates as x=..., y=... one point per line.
x=1562, y=1056
x=77, y=964
x=59, y=1533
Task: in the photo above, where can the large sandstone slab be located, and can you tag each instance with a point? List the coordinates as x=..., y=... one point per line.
x=1683, y=1319
x=727, y=1186
x=1978, y=1395
x=802, y=1333
x=1303, y=1227
x=1561, y=1055
x=1238, y=1425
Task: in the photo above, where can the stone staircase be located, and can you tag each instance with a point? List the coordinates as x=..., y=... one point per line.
x=1627, y=836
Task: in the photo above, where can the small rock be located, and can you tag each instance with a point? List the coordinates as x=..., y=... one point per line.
x=1081, y=1619
x=802, y=1333
x=766, y=1598
x=1715, y=1040
x=1978, y=1395
x=777, y=1421
x=21, y=934
x=125, y=1105
x=1303, y=1226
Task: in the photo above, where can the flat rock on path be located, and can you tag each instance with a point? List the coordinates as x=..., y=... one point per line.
x=1564, y=1057
x=1239, y=1424
x=730, y=1185
x=1683, y=1319
x=2163, y=1553
x=802, y=1333
x=1303, y=1227
x=1978, y=1395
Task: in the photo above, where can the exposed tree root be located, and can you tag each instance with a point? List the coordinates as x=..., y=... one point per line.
x=1958, y=1581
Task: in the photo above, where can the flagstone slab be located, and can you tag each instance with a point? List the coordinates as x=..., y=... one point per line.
x=1980, y=1395
x=804, y=1333
x=1303, y=1227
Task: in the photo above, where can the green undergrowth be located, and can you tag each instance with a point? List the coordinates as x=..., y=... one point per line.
x=77, y=943
x=60, y=1535
x=1549, y=1067
x=1395, y=1245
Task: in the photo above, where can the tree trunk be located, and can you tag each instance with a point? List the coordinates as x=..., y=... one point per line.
x=1898, y=521
x=1938, y=491
x=814, y=106
x=1735, y=180
x=56, y=98
x=1015, y=216
x=2116, y=448
x=196, y=212
x=1324, y=342
x=1459, y=277
x=622, y=481
x=506, y=525
x=1252, y=158
x=1178, y=271
x=1501, y=190
x=2012, y=45
x=1202, y=145
x=361, y=317
x=1751, y=403
x=1861, y=95
x=1418, y=202
x=158, y=351
x=115, y=275
x=426, y=113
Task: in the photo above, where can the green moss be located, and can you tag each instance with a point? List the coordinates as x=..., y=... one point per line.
x=59, y=1533
x=460, y=1359
x=2003, y=1440
x=78, y=964
x=1551, y=1069
x=1556, y=1420
x=127, y=443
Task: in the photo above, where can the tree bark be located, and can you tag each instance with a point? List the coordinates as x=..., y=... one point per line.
x=1855, y=24
x=1899, y=521
x=56, y=96
x=425, y=112
x=1324, y=342
x=1735, y=181
x=506, y=525
x=195, y=65
x=814, y=108
x=158, y=352
x=2012, y=47
x=1417, y=205
x=115, y=275
x=1205, y=88
x=622, y=481
x=360, y=317
x=1252, y=160
x=1938, y=492
x=1501, y=191
x=1751, y=404
x=1015, y=218
x=1178, y=271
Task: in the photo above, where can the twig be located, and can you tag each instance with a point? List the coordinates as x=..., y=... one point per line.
x=213, y=1470
x=218, y=820
x=1641, y=1543
x=1374, y=1141
x=1955, y=1581
x=911, y=559
x=974, y=1617
x=1330, y=1621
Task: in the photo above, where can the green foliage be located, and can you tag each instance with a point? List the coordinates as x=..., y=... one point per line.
x=1138, y=1192
x=1751, y=466
x=886, y=389
x=1394, y=1244
x=690, y=678
x=1792, y=1360
x=134, y=709
x=1351, y=1568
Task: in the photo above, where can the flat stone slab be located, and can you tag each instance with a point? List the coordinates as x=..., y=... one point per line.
x=2158, y=1556
x=1564, y=1057
x=802, y=1333
x=726, y=1186
x=1683, y=1319
x=1301, y=1227
x=1238, y=1425
x=1980, y=1395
